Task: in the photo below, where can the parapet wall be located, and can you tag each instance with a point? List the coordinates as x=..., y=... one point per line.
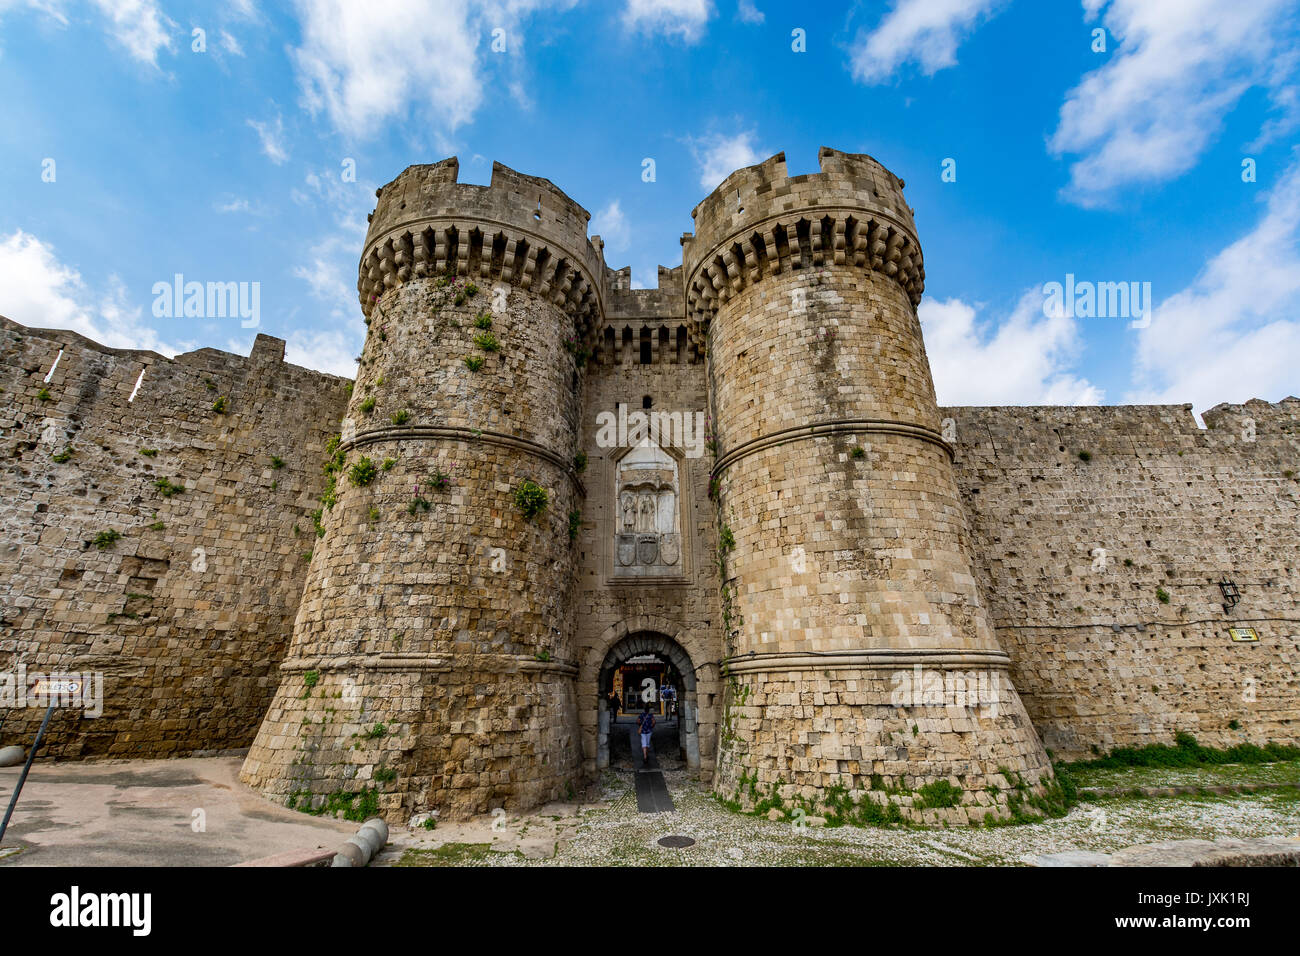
x=1082, y=519
x=188, y=611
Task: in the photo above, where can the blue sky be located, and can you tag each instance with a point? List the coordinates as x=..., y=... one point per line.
x=1119, y=165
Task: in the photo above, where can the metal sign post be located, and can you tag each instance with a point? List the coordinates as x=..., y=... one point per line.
x=22, y=778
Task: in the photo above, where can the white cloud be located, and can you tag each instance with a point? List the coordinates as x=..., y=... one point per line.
x=362, y=64
x=272, y=137
x=1157, y=103
x=746, y=12
x=719, y=156
x=230, y=44
x=923, y=31
x=325, y=350
x=685, y=18
x=233, y=205
x=1023, y=360
x=1234, y=333
x=332, y=260
x=140, y=26
x=36, y=289
x=611, y=225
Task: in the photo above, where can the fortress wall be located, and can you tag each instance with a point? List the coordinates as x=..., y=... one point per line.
x=188, y=613
x=1099, y=660
x=684, y=608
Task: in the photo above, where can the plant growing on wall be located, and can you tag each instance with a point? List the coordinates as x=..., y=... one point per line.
x=530, y=498
x=219, y=406
x=167, y=489
x=483, y=320
x=62, y=456
x=575, y=524
x=367, y=406
x=106, y=539
x=418, y=504
x=487, y=342
x=363, y=472
x=277, y=462
x=43, y=394
x=149, y=452
x=441, y=480
x=580, y=462
x=473, y=362
x=401, y=418
x=389, y=464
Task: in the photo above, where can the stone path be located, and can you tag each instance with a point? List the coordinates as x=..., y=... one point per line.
x=651, y=791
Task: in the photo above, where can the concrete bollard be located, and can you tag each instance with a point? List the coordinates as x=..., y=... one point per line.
x=13, y=756
x=364, y=846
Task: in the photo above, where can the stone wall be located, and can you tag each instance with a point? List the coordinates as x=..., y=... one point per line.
x=1075, y=555
x=188, y=612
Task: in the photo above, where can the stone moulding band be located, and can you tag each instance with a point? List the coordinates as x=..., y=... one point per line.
x=878, y=426
x=867, y=659
x=497, y=663
x=455, y=433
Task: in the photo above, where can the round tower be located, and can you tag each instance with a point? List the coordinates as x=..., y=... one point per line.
x=431, y=666
x=863, y=673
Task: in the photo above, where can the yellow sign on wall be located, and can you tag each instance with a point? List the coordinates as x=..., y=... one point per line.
x=1243, y=634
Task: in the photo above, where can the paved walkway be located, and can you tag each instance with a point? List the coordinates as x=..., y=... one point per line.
x=651, y=791
x=142, y=813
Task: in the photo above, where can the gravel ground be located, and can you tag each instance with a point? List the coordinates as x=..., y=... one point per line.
x=610, y=832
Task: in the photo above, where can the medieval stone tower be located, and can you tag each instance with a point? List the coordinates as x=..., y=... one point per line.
x=429, y=610
x=435, y=637
x=853, y=620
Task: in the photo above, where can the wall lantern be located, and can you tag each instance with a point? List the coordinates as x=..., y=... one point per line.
x=1231, y=596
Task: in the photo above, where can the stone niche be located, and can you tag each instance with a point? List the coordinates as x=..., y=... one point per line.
x=647, y=496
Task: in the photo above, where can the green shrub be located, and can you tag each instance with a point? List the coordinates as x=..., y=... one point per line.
x=106, y=539
x=62, y=456
x=1085, y=456
x=487, y=342
x=43, y=394
x=483, y=320
x=1162, y=595
x=219, y=406
x=580, y=462
x=367, y=406
x=473, y=362
x=400, y=418
x=575, y=524
x=858, y=452
x=389, y=463
x=531, y=498
x=277, y=462
x=167, y=489
x=362, y=473
x=149, y=452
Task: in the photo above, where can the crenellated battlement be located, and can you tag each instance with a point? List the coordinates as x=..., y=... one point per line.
x=761, y=221
x=519, y=229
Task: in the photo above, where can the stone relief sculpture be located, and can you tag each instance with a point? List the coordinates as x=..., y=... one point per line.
x=647, y=492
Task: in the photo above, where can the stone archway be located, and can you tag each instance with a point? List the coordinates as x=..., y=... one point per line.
x=637, y=644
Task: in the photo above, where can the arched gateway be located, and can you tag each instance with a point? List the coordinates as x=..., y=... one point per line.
x=664, y=648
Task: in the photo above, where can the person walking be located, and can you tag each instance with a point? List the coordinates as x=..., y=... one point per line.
x=646, y=726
